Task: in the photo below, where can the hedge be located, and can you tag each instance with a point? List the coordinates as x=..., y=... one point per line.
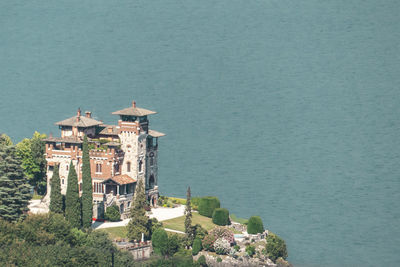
x=221, y=216
x=207, y=206
x=255, y=225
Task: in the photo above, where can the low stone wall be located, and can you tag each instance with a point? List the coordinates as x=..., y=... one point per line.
x=239, y=262
x=139, y=251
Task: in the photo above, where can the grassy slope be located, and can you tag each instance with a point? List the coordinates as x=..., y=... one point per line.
x=115, y=232
x=179, y=223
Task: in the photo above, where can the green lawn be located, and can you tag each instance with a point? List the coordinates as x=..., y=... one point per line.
x=115, y=232
x=179, y=223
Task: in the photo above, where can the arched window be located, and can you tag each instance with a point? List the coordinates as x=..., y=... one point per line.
x=128, y=147
x=151, y=161
x=140, y=166
x=151, y=181
x=128, y=166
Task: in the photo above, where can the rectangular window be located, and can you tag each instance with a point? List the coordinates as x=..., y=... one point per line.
x=98, y=188
x=98, y=168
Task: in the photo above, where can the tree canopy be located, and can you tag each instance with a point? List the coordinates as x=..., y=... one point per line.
x=87, y=188
x=56, y=199
x=14, y=191
x=72, y=200
x=139, y=221
x=34, y=163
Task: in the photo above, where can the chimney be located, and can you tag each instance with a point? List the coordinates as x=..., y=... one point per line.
x=133, y=104
x=78, y=115
x=88, y=114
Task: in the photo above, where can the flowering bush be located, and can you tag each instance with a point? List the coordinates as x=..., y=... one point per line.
x=222, y=246
x=224, y=233
x=208, y=242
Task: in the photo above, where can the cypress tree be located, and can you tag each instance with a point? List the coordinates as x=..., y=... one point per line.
x=87, y=188
x=139, y=220
x=56, y=201
x=72, y=201
x=188, y=212
x=14, y=191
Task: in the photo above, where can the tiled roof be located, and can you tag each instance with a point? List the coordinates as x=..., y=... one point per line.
x=82, y=122
x=123, y=179
x=72, y=140
x=109, y=130
x=134, y=111
x=155, y=133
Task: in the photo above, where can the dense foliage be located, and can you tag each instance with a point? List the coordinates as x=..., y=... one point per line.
x=255, y=225
x=221, y=216
x=197, y=247
x=139, y=221
x=50, y=240
x=112, y=214
x=207, y=206
x=223, y=232
x=14, y=192
x=87, y=188
x=208, y=242
x=202, y=261
x=56, y=199
x=72, y=200
x=275, y=247
x=32, y=153
x=159, y=240
x=250, y=250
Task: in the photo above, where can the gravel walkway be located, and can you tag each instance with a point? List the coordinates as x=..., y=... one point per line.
x=161, y=214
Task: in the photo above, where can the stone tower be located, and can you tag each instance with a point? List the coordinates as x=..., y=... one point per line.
x=140, y=147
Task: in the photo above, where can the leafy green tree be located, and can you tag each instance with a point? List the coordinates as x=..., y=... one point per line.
x=5, y=140
x=32, y=153
x=159, y=241
x=72, y=201
x=56, y=199
x=112, y=214
x=87, y=188
x=139, y=221
x=275, y=247
x=188, y=214
x=14, y=192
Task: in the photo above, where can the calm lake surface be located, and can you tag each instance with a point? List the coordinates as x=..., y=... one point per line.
x=284, y=109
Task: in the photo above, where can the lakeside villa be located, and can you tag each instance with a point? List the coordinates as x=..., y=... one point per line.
x=120, y=155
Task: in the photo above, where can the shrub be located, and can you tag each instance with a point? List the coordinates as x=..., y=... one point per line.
x=223, y=232
x=219, y=259
x=202, y=261
x=207, y=206
x=275, y=247
x=220, y=216
x=196, y=246
x=112, y=214
x=255, y=225
x=208, y=242
x=237, y=247
x=251, y=250
x=221, y=246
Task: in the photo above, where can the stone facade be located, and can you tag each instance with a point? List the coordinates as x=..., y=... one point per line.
x=120, y=155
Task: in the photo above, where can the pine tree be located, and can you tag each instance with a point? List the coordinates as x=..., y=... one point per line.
x=56, y=201
x=14, y=191
x=188, y=212
x=72, y=200
x=139, y=220
x=87, y=188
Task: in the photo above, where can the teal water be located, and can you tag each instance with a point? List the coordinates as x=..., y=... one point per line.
x=285, y=109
